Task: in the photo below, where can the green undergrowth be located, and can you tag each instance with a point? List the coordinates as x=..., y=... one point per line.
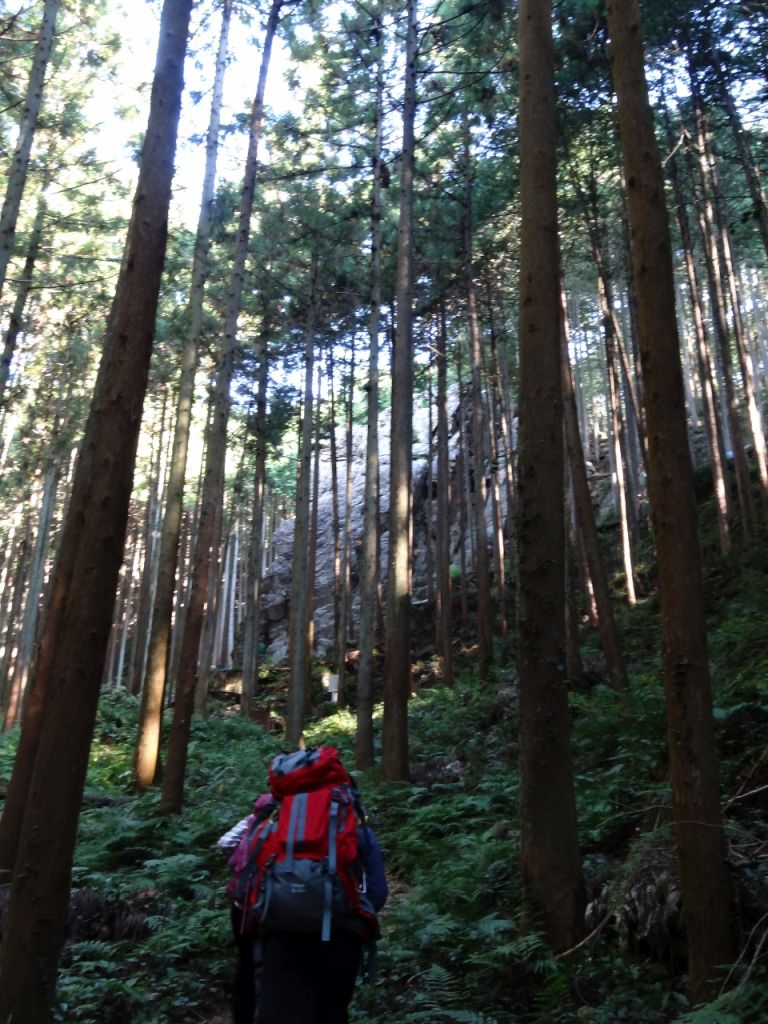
x=164, y=874
x=453, y=948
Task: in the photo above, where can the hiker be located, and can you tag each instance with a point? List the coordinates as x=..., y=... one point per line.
x=312, y=880
x=308, y=981
x=246, y=983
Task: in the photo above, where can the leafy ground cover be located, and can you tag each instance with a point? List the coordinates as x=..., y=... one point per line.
x=149, y=934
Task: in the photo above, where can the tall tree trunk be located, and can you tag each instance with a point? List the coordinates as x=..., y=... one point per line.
x=692, y=754
x=616, y=438
x=479, y=490
x=213, y=479
x=298, y=656
x=369, y=577
x=212, y=604
x=346, y=539
x=585, y=521
x=397, y=685
x=548, y=830
x=335, y=517
x=312, y=553
x=492, y=440
x=251, y=629
x=444, y=595
x=29, y=623
x=146, y=753
x=121, y=619
x=17, y=176
x=720, y=485
x=501, y=389
x=707, y=228
x=149, y=570
x=462, y=494
x=41, y=813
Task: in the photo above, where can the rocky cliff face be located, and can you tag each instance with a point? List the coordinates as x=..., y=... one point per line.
x=276, y=586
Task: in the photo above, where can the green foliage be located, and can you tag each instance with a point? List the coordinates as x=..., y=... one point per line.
x=453, y=949
x=165, y=871
x=748, y=1004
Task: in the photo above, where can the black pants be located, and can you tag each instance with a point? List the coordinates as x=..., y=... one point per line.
x=247, y=981
x=306, y=980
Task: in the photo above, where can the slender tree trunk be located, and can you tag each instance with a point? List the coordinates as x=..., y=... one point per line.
x=616, y=439
x=462, y=495
x=147, y=749
x=428, y=501
x=213, y=479
x=721, y=488
x=709, y=241
x=17, y=177
x=369, y=578
x=41, y=812
x=585, y=521
x=128, y=620
x=479, y=491
x=692, y=754
x=29, y=623
x=397, y=686
x=494, y=455
x=212, y=605
x=300, y=583
x=346, y=540
x=335, y=517
x=444, y=595
x=149, y=570
x=252, y=626
x=548, y=829
x=501, y=375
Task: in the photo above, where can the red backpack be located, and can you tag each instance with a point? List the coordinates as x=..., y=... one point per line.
x=300, y=869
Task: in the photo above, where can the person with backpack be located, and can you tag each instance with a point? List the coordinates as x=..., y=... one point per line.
x=247, y=979
x=311, y=879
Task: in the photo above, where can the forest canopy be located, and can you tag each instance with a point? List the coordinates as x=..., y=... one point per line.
x=355, y=349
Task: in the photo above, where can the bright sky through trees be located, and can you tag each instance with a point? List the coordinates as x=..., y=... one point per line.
x=120, y=108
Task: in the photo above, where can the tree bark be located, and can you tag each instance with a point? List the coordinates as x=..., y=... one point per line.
x=549, y=845
x=346, y=537
x=397, y=685
x=213, y=479
x=251, y=631
x=720, y=484
x=707, y=228
x=28, y=633
x=41, y=812
x=444, y=616
x=369, y=578
x=479, y=490
x=147, y=750
x=586, y=526
x=300, y=583
x=692, y=755
x=146, y=592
